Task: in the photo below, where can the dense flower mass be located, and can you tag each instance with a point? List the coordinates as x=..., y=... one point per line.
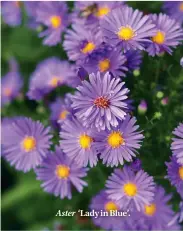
x=27, y=143
x=78, y=142
x=58, y=173
x=177, y=144
x=130, y=190
x=120, y=143
x=107, y=77
x=169, y=34
x=127, y=28
x=101, y=102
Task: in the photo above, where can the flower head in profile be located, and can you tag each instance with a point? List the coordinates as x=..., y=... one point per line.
x=130, y=190
x=177, y=144
x=169, y=34
x=11, y=83
x=53, y=15
x=58, y=173
x=101, y=202
x=133, y=59
x=175, y=174
x=77, y=142
x=81, y=41
x=31, y=8
x=106, y=59
x=61, y=109
x=100, y=102
x=11, y=12
x=26, y=143
x=127, y=28
x=120, y=143
x=174, y=9
x=50, y=74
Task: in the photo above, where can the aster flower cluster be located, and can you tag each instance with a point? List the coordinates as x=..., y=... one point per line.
x=104, y=42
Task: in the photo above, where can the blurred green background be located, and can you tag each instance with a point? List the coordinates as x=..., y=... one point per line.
x=24, y=204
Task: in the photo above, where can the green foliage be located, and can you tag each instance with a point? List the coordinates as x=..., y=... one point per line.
x=24, y=204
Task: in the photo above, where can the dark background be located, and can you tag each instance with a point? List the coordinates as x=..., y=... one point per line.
x=24, y=204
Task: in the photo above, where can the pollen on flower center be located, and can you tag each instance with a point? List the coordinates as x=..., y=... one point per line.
x=55, y=21
x=130, y=189
x=109, y=206
x=63, y=114
x=115, y=139
x=102, y=11
x=54, y=82
x=101, y=102
x=62, y=171
x=126, y=33
x=7, y=91
x=181, y=172
x=85, y=141
x=89, y=47
x=29, y=143
x=150, y=209
x=104, y=65
x=159, y=38
x=181, y=6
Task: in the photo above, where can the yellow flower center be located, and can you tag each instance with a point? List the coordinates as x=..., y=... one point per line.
x=89, y=47
x=29, y=143
x=62, y=171
x=55, y=21
x=126, y=33
x=85, y=141
x=159, y=38
x=7, y=91
x=109, y=206
x=63, y=115
x=115, y=139
x=181, y=6
x=130, y=189
x=181, y=172
x=102, y=11
x=104, y=65
x=150, y=209
x=54, y=82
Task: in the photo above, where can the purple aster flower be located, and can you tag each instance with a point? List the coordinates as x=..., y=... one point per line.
x=106, y=59
x=155, y=216
x=11, y=12
x=31, y=7
x=101, y=202
x=127, y=28
x=11, y=85
x=181, y=62
x=174, y=9
x=169, y=34
x=177, y=144
x=120, y=143
x=175, y=174
x=130, y=190
x=59, y=173
x=61, y=109
x=28, y=143
x=81, y=41
x=92, y=12
x=142, y=108
x=133, y=59
x=101, y=101
x=77, y=142
x=54, y=15
x=48, y=75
